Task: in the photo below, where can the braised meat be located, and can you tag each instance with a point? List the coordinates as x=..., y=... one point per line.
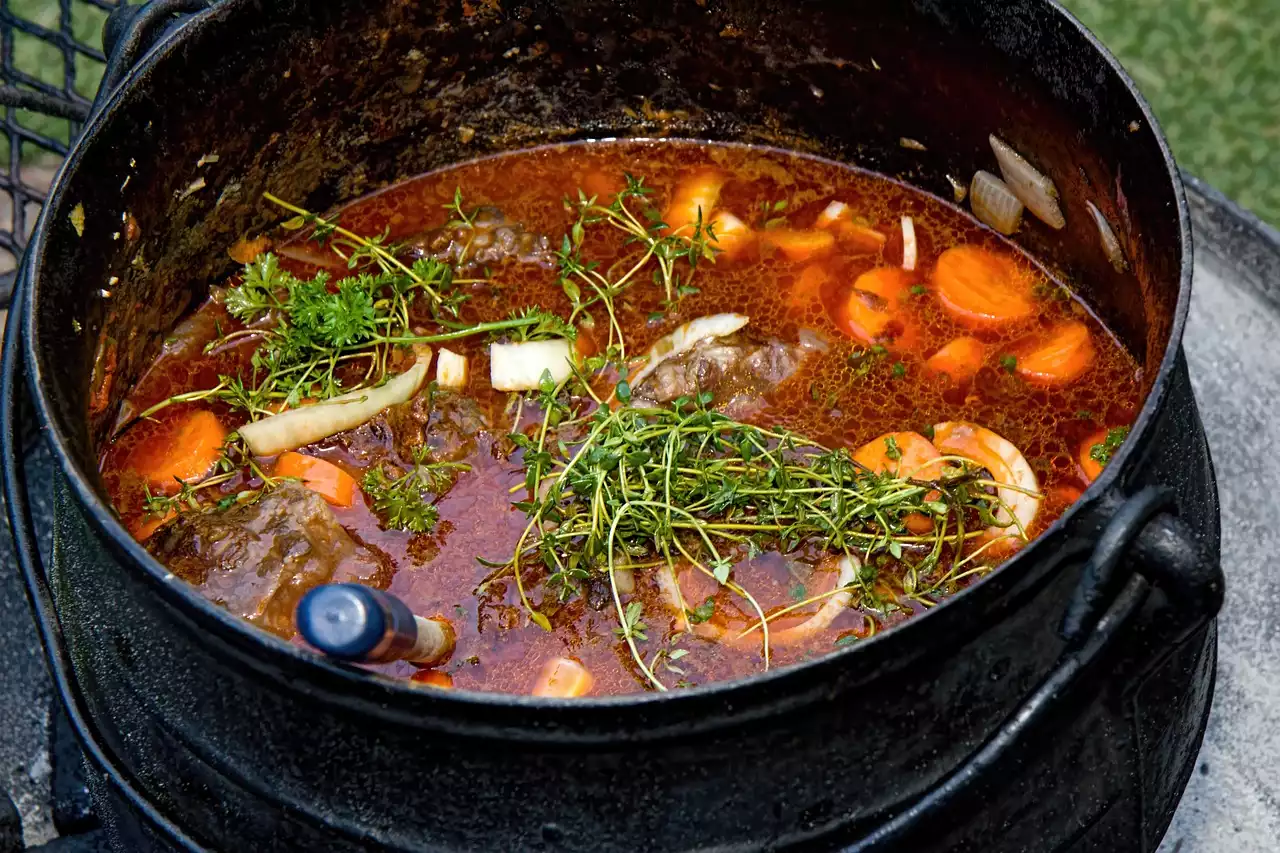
x=735, y=369
x=259, y=559
x=447, y=424
x=490, y=238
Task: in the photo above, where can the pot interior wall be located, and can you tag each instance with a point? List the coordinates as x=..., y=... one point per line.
x=321, y=101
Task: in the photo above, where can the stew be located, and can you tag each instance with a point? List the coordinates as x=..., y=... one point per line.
x=625, y=415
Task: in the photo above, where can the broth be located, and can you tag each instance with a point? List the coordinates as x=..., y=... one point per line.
x=831, y=353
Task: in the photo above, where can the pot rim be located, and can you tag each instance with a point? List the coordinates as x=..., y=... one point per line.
x=270, y=654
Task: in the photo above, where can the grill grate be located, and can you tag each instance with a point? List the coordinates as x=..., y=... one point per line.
x=51, y=61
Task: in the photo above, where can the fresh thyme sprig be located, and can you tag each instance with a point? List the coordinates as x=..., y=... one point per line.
x=686, y=484
x=646, y=230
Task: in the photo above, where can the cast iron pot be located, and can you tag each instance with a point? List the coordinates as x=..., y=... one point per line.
x=1056, y=705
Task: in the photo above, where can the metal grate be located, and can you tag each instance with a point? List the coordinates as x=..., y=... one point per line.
x=50, y=64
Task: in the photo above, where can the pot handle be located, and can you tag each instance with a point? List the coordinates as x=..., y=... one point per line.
x=35, y=580
x=1142, y=545
x=131, y=31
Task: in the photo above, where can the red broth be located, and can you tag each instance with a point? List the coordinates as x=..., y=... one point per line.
x=1052, y=381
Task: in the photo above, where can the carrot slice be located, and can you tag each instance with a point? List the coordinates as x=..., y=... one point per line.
x=798, y=245
x=1059, y=359
x=808, y=286
x=563, y=678
x=149, y=524
x=433, y=678
x=903, y=454
x=1090, y=468
x=186, y=452
x=733, y=236
x=324, y=478
x=694, y=199
x=983, y=289
x=870, y=310
x=960, y=359
x=602, y=185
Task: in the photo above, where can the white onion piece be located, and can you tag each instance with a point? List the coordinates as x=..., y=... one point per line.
x=910, y=249
x=308, y=424
x=669, y=588
x=831, y=214
x=686, y=337
x=451, y=370
x=519, y=366
x=811, y=340
x=624, y=578
x=1032, y=187
x=994, y=203
x=1006, y=464
x=1110, y=242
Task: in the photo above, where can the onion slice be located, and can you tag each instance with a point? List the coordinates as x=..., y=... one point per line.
x=308, y=424
x=910, y=249
x=1007, y=466
x=520, y=366
x=994, y=203
x=451, y=370
x=1031, y=186
x=1110, y=242
x=686, y=337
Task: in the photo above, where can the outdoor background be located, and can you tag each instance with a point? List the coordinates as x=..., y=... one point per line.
x=1211, y=68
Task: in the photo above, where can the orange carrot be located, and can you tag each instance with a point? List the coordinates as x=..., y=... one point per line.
x=983, y=289
x=808, y=286
x=874, y=303
x=1091, y=468
x=602, y=185
x=149, y=524
x=695, y=198
x=837, y=217
x=733, y=236
x=186, y=452
x=324, y=478
x=905, y=454
x=244, y=250
x=432, y=678
x=585, y=344
x=1060, y=358
x=959, y=359
x=798, y=245
x=563, y=678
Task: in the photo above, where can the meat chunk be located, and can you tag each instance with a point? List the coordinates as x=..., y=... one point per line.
x=735, y=369
x=447, y=424
x=259, y=559
x=490, y=238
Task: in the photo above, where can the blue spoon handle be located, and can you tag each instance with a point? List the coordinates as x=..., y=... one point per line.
x=358, y=624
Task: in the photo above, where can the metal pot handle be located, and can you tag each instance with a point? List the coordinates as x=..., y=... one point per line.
x=35, y=581
x=131, y=31
x=1142, y=545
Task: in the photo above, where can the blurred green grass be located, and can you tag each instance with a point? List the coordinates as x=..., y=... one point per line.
x=1211, y=69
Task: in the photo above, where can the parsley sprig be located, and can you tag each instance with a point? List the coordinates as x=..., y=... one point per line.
x=404, y=501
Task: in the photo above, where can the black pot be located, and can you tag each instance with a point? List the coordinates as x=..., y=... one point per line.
x=1056, y=705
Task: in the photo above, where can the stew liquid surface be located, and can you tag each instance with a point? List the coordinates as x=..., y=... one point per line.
x=974, y=367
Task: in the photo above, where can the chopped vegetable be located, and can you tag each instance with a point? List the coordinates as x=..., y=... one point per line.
x=686, y=337
x=994, y=203
x=1096, y=450
x=324, y=478
x=143, y=529
x=245, y=250
x=833, y=214
x=432, y=678
x=852, y=235
x=1019, y=490
x=563, y=678
x=902, y=454
x=983, y=289
x=1031, y=187
x=960, y=359
x=910, y=249
x=451, y=370
x=833, y=606
x=1059, y=358
x=733, y=237
x=308, y=424
x=184, y=453
x=1107, y=235
x=521, y=366
x=796, y=245
x=872, y=309
x=693, y=201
